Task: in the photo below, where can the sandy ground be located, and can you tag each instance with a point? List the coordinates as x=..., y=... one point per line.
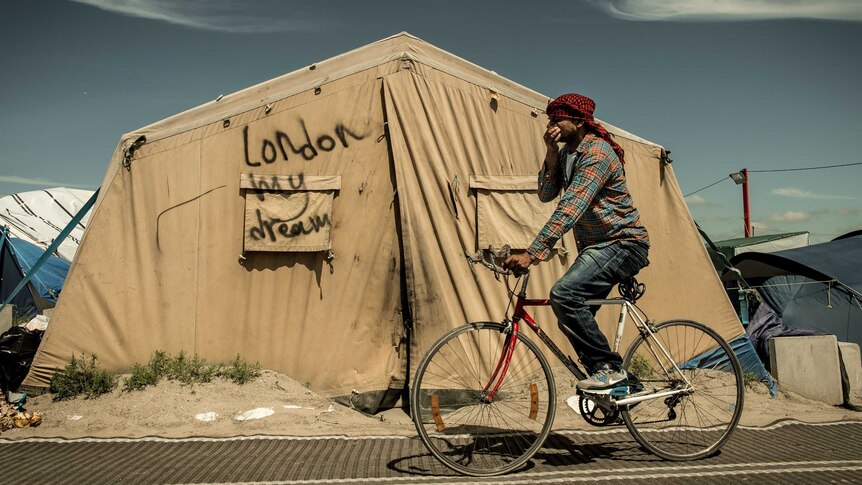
x=173, y=410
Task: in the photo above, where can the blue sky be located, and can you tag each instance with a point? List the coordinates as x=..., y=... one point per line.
x=725, y=85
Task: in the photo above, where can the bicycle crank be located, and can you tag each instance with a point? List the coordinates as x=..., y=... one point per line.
x=595, y=414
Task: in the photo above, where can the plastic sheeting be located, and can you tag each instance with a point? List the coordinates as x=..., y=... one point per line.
x=748, y=360
x=839, y=260
x=804, y=305
x=43, y=289
x=49, y=279
x=818, y=287
x=38, y=217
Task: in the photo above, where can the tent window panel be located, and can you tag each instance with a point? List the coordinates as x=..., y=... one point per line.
x=288, y=213
x=508, y=210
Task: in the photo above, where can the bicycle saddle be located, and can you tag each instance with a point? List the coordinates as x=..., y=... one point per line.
x=630, y=289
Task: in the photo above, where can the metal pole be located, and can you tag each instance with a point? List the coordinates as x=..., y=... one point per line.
x=746, y=212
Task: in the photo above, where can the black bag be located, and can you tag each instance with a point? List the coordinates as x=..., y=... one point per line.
x=17, y=348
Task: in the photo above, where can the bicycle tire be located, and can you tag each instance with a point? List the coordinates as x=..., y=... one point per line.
x=466, y=433
x=687, y=426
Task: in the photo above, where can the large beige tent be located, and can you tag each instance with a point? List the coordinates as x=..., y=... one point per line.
x=317, y=223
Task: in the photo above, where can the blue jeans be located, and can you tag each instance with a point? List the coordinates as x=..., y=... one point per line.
x=592, y=276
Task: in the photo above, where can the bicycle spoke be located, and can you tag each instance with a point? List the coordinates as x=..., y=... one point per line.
x=472, y=432
x=696, y=423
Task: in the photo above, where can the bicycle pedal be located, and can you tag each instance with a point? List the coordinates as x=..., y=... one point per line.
x=604, y=394
x=620, y=391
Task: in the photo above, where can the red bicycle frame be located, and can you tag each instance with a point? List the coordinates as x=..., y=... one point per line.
x=513, y=327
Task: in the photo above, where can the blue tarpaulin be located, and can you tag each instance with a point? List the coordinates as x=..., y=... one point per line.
x=50, y=277
x=748, y=360
x=17, y=258
x=817, y=288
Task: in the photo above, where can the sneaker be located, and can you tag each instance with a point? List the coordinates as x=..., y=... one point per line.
x=605, y=380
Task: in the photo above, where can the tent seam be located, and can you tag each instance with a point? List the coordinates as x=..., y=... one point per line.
x=198, y=249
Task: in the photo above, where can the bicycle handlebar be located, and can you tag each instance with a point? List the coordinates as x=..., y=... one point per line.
x=630, y=289
x=488, y=259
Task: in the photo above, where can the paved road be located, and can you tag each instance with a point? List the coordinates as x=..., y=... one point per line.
x=784, y=453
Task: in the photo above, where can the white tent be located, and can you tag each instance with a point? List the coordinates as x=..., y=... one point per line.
x=38, y=217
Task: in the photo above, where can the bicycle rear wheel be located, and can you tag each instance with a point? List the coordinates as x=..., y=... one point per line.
x=454, y=416
x=695, y=423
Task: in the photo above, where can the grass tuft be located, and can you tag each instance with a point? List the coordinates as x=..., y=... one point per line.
x=750, y=379
x=141, y=377
x=82, y=377
x=240, y=371
x=188, y=370
x=640, y=367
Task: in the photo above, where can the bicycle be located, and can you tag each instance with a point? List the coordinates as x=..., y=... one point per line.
x=484, y=396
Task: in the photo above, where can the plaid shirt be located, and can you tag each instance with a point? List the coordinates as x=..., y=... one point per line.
x=596, y=202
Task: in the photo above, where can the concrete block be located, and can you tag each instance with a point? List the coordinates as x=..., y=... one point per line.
x=48, y=312
x=808, y=366
x=6, y=318
x=852, y=358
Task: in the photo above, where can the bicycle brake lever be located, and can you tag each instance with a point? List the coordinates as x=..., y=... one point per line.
x=505, y=251
x=498, y=270
x=470, y=263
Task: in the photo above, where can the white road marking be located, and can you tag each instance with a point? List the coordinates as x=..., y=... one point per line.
x=615, y=474
x=206, y=439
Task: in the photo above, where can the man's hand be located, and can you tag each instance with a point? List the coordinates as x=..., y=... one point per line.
x=552, y=136
x=518, y=263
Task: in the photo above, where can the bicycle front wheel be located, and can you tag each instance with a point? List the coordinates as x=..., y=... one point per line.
x=696, y=421
x=461, y=422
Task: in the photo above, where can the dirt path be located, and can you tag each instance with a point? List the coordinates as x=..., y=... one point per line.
x=277, y=405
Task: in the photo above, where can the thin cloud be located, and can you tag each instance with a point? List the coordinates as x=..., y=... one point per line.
x=790, y=216
x=804, y=194
x=699, y=201
x=732, y=10
x=219, y=15
x=695, y=200
x=847, y=211
x=40, y=182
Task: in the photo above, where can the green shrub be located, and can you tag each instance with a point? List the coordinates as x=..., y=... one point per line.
x=174, y=366
x=194, y=370
x=640, y=367
x=240, y=371
x=142, y=376
x=159, y=363
x=750, y=379
x=82, y=377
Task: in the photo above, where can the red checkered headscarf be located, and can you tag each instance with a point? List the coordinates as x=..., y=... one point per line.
x=578, y=107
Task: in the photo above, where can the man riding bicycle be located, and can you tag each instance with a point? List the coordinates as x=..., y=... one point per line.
x=612, y=243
